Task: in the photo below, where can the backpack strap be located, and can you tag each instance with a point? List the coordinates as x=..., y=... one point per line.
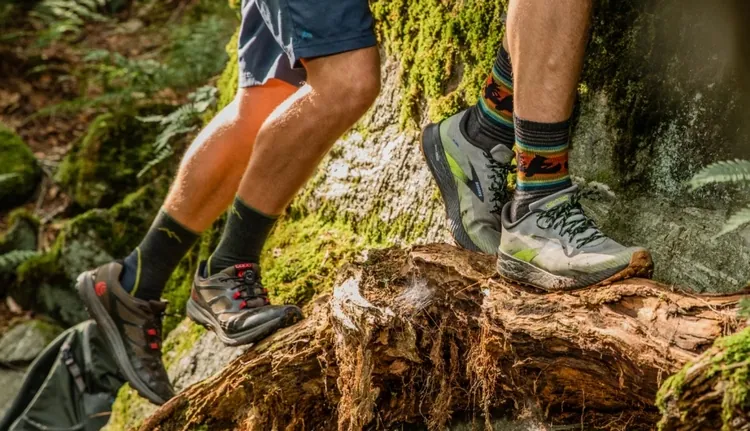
x=73, y=368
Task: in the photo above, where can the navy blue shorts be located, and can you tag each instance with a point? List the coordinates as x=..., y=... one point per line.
x=276, y=34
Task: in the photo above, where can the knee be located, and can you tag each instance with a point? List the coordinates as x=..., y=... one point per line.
x=351, y=82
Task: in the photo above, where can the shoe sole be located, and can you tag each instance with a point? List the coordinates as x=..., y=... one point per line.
x=85, y=287
x=434, y=154
x=206, y=319
x=520, y=272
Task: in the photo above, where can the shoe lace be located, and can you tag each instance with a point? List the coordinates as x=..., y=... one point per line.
x=499, y=187
x=570, y=220
x=248, y=286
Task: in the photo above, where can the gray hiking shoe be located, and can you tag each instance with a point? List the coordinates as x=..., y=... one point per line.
x=131, y=329
x=472, y=182
x=234, y=304
x=556, y=246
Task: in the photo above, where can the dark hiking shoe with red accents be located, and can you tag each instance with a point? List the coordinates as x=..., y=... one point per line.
x=234, y=304
x=131, y=328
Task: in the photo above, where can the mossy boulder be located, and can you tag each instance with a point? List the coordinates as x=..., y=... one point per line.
x=22, y=232
x=19, y=170
x=46, y=283
x=24, y=341
x=103, y=166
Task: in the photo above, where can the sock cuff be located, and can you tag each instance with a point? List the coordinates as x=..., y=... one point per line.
x=249, y=208
x=165, y=219
x=541, y=134
x=503, y=63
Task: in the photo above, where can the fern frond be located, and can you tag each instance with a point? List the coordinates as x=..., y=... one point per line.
x=728, y=171
x=736, y=221
x=10, y=260
x=6, y=177
x=181, y=121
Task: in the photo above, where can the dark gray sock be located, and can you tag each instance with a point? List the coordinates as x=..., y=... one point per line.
x=243, y=238
x=147, y=269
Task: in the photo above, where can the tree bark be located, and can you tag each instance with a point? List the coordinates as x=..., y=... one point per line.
x=422, y=335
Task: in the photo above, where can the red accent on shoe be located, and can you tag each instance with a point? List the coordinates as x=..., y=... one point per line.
x=236, y=295
x=151, y=332
x=100, y=288
x=154, y=346
x=243, y=304
x=268, y=301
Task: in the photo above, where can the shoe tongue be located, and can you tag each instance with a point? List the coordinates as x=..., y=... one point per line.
x=554, y=200
x=158, y=306
x=502, y=154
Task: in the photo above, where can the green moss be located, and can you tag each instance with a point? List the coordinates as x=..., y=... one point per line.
x=180, y=343
x=48, y=330
x=85, y=241
x=19, y=171
x=103, y=166
x=229, y=79
x=445, y=50
x=735, y=350
x=729, y=365
x=128, y=411
x=671, y=387
x=303, y=255
x=22, y=233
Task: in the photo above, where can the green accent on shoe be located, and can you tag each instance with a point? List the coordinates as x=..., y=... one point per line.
x=456, y=169
x=526, y=255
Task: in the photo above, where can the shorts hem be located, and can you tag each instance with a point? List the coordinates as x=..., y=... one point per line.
x=322, y=49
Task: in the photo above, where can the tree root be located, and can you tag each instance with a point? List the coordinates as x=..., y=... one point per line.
x=415, y=336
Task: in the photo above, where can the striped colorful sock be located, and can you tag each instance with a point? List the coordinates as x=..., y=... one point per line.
x=542, y=157
x=490, y=121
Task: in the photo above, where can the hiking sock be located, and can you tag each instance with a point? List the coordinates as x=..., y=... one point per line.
x=147, y=269
x=490, y=120
x=243, y=238
x=542, y=157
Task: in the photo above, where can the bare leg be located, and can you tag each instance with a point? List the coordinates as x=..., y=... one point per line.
x=297, y=135
x=215, y=162
x=547, y=41
x=547, y=240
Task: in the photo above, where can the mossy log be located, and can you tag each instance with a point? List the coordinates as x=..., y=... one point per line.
x=423, y=335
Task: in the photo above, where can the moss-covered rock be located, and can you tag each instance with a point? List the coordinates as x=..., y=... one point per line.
x=102, y=167
x=24, y=341
x=45, y=283
x=19, y=171
x=22, y=232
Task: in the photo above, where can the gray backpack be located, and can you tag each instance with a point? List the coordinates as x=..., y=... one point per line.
x=70, y=386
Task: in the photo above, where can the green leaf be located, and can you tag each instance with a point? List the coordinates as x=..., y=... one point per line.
x=6, y=177
x=10, y=261
x=729, y=171
x=736, y=221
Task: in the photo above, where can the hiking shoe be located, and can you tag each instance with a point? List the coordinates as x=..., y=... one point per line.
x=556, y=246
x=131, y=328
x=472, y=182
x=234, y=304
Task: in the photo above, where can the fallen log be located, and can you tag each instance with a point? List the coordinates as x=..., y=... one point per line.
x=418, y=336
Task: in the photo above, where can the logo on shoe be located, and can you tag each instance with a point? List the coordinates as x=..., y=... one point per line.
x=472, y=183
x=100, y=288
